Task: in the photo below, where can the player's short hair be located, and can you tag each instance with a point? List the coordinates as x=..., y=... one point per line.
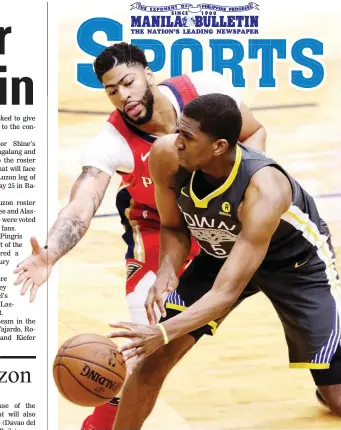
x=119, y=53
x=218, y=115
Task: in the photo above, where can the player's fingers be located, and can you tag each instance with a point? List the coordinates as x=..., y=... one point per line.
x=26, y=286
x=160, y=305
x=155, y=317
x=150, y=296
x=28, y=283
x=35, y=245
x=170, y=289
x=135, y=353
x=130, y=345
x=140, y=358
x=126, y=325
x=20, y=267
x=33, y=292
x=122, y=333
x=21, y=278
x=150, y=314
x=130, y=354
x=149, y=305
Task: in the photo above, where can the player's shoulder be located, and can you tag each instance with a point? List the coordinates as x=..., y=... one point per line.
x=108, y=150
x=204, y=75
x=208, y=78
x=271, y=183
x=208, y=82
x=111, y=131
x=164, y=146
x=163, y=155
x=107, y=138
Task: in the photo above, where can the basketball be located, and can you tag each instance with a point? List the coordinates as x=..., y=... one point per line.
x=88, y=370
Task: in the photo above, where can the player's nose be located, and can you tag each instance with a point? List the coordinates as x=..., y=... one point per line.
x=124, y=94
x=179, y=145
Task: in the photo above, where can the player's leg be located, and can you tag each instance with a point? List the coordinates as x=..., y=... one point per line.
x=328, y=384
x=142, y=266
x=196, y=274
x=307, y=298
x=196, y=281
x=140, y=277
x=143, y=385
x=328, y=381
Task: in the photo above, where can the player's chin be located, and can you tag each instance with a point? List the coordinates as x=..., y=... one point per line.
x=134, y=118
x=140, y=114
x=140, y=119
x=187, y=166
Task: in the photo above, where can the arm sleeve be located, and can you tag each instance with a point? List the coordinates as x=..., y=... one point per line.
x=214, y=82
x=108, y=151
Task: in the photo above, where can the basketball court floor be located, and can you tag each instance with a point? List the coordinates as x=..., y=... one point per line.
x=240, y=378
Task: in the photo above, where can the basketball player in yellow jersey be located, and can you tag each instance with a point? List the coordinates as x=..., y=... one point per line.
x=258, y=230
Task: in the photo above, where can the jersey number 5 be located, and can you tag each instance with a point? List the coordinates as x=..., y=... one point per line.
x=219, y=250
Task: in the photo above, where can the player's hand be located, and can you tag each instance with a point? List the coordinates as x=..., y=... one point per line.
x=165, y=282
x=144, y=340
x=34, y=270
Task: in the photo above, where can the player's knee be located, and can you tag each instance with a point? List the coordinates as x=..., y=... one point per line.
x=136, y=299
x=156, y=366
x=335, y=406
x=153, y=370
x=333, y=401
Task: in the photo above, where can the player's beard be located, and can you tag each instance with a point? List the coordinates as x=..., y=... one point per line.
x=148, y=102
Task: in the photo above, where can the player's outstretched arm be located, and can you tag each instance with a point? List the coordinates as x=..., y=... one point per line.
x=175, y=240
x=72, y=223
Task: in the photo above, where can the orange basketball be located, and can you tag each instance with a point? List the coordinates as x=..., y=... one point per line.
x=88, y=370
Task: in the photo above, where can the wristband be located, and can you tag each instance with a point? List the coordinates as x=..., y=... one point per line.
x=164, y=333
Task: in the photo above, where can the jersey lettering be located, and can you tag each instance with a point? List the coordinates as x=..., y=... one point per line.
x=146, y=181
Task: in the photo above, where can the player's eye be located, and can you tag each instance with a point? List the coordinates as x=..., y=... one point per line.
x=186, y=136
x=113, y=92
x=129, y=84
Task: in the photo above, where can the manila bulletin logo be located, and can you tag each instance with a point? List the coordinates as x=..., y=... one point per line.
x=226, y=209
x=186, y=18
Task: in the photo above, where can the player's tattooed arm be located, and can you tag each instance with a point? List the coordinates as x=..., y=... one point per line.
x=66, y=233
x=73, y=221
x=102, y=181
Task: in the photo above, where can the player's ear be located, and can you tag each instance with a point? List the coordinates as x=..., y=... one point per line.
x=149, y=76
x=219, y=147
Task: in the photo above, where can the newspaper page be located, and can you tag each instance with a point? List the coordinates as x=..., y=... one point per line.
x=82, y=190
x=283, y=60
x=27, y=330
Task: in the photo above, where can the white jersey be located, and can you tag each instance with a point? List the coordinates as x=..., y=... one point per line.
x=109, y=151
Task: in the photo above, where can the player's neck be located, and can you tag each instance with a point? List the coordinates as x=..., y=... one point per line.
x=164, y=119
x=220, y=167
